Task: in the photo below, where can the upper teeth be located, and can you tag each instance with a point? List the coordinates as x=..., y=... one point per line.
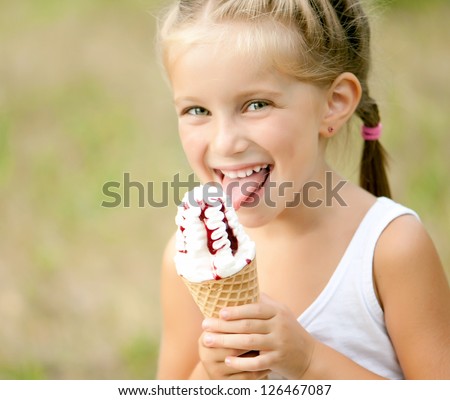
x=242, y=173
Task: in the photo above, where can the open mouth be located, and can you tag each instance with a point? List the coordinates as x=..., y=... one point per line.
x=244, y=185
x=242, y=173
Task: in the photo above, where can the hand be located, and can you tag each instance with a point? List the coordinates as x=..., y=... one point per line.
x=284, y=346
x=213, y=360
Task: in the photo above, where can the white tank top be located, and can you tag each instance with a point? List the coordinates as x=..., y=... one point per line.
x=346, y=315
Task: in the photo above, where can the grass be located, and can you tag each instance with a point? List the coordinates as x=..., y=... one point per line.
x=82, y=102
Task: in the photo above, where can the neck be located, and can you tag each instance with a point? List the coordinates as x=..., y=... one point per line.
x=319, y=198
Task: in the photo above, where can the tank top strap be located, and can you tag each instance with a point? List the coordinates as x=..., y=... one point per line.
x=380, y=215
x=383, y=212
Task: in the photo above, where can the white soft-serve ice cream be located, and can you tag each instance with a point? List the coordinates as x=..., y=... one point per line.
x=211, y=244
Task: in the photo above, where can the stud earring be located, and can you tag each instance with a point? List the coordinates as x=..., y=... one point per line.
x=330, y=129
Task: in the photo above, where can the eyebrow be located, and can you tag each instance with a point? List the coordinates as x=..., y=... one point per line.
x=259, y=93
x=247, y=94
x=185, y=99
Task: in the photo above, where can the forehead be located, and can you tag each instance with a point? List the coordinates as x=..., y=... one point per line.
x=200, y=71
x=216, y=60
x=266, y=43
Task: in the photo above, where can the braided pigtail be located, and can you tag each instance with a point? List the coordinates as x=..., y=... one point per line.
x=355, y=24
x=373, y=176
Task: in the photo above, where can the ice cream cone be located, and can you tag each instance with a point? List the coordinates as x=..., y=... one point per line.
x=238, y=289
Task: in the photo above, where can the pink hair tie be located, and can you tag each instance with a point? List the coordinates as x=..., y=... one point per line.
x=371, y=133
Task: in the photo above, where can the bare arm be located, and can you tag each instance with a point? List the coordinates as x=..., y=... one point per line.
x=416, y=298
x=181, y=328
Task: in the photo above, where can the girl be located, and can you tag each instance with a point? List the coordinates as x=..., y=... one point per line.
x=353, y=287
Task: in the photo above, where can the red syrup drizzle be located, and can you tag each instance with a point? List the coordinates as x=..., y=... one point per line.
x=182, y=251
x=182, y=228
x=231, y=236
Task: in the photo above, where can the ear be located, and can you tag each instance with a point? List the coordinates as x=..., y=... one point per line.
x=342, y=99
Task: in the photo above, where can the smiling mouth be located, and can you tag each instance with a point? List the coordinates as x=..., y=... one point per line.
x=242, y=185
x=241, y=173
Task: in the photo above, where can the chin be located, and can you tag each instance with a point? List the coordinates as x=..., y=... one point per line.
x=256, y=216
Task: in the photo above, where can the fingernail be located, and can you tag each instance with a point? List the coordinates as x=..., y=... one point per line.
x=208, y=339
x=224, y=314
x=227, y=361
x=206, y=324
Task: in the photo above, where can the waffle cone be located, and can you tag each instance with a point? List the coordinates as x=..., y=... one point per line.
x=238, y=289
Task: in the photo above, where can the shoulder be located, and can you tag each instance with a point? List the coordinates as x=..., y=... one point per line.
x=405, y=247
x=415, y=295
x=405, y=254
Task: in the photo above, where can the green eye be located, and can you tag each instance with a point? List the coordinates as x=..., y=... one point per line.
x=257, y=105
x=198, y=111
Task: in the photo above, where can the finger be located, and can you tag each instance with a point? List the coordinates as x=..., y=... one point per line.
x=209, y=342
x=258, y=363
x=217, y=353
x=219, y=370
x=213, y=361
x=236, y=341
x=248, y=311
x=236, y=326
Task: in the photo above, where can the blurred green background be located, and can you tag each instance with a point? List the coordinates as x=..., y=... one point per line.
x=82, y=102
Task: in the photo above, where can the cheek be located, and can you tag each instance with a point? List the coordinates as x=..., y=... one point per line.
x=191, y=150
x=194, y=146
x=188, y=137
x=288, y=137
x=295, y=148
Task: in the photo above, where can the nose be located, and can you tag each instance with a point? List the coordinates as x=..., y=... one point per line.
x=228, y=138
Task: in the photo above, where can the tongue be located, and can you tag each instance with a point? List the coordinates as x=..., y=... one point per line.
x=240, y=189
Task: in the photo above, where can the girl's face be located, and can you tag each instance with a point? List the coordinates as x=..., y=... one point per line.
x=253, y=130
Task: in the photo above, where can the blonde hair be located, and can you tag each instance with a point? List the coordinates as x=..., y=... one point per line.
x=311, y=40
